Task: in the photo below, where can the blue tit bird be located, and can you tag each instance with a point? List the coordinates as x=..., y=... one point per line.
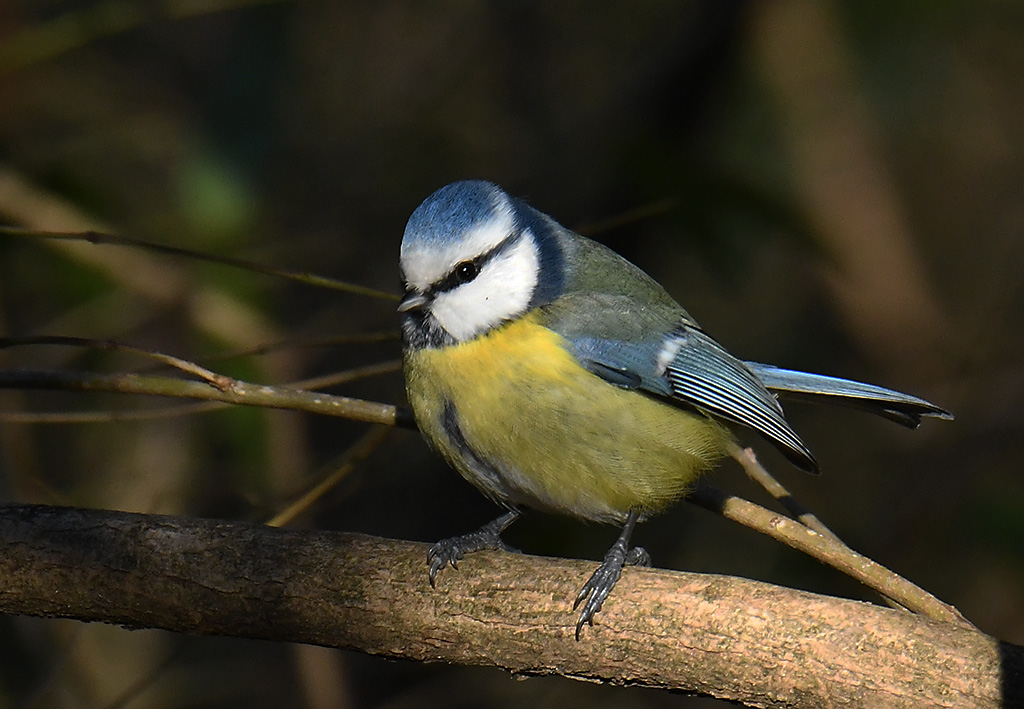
x=555, y=375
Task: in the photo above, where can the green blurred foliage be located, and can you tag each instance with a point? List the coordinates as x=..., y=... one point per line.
x=302, y=134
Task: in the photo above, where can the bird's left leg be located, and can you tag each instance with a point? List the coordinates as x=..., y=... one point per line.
x=601, y=583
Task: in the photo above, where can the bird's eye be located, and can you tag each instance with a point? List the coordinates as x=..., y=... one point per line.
x=466, y=271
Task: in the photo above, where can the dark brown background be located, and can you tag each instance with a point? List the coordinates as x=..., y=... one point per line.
x=831, y=186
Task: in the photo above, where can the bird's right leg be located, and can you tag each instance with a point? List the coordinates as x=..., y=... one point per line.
x=450, y=551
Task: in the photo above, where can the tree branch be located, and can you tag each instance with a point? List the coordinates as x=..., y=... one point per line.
x=828, y=550
x=227, y=390
x=721, y=636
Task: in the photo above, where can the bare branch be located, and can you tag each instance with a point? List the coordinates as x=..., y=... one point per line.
x=184, y=365
x=828, y=550
x=757, y=472
x=310, y=279
x=714, y=635
x=360, y=451
x=232, y=391
x=808, y=535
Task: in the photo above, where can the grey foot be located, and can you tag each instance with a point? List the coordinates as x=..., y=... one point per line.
x=450, y=551
x=602, y=581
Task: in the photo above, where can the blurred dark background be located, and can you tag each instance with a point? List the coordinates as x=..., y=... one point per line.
x=831, y=186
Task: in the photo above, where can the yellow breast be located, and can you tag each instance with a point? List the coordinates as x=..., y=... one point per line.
x=551, y=434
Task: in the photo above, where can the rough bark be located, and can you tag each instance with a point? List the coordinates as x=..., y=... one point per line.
x=715, y=635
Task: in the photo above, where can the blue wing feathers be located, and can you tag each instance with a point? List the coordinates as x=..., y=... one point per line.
x=702, y=374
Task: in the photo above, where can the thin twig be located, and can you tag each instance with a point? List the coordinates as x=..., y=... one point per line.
x=293, y=342
x=828, y=550
x=310, y=279
x=234, y=391
x=360, y=451
x=184, y=365
x=163, y=412
x=349, y=375
x=217, y=380
x=759, y=474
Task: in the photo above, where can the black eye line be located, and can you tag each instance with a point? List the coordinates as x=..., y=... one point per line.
x=453, y=279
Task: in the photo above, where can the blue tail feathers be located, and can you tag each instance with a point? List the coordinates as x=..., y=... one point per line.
x=896, y=406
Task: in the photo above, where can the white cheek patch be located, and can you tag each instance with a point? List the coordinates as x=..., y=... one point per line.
x=502, y=291
x=427, y=263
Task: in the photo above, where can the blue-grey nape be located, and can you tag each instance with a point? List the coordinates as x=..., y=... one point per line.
x=453, y=210
x=550, y=256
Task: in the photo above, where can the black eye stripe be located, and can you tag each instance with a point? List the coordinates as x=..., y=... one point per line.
x=466, y=271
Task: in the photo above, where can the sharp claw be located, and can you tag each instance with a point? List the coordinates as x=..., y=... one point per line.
x=594, y=592
x=600, y=584
x=448, y=552
x=587, y=615
x=581, y=596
